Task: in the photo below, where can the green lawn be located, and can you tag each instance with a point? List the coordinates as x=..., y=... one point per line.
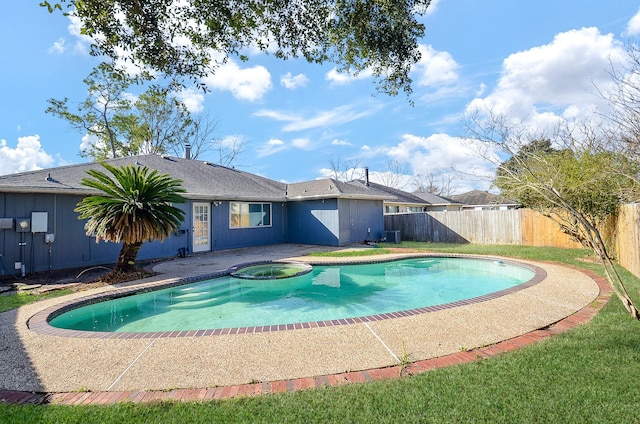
x=11, y=301
x=590, y=374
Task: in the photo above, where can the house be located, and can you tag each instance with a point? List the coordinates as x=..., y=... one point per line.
x=226, y=208
x=400, y=201
x=438, y=203
x=483, y=200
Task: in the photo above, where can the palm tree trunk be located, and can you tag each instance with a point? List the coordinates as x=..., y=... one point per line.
x=127, y=257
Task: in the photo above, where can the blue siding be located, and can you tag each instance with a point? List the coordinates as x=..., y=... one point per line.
x=314, y=222
x=71, y=248
x=323, y=222
x=223, y=237
x=360, y=220
x=169, y=246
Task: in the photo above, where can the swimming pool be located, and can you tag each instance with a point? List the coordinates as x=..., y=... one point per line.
x=335, y=293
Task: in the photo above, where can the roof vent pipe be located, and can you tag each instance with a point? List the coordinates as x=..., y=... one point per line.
x=187, y=151
x=366, y=176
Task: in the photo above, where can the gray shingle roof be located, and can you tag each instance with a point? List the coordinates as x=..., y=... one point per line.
x=394, y=194
x=200, y=179
x=479, y=197
x=435, y=200
x=331, y=188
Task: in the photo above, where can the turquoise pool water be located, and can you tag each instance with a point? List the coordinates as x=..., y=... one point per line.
x=326, y=293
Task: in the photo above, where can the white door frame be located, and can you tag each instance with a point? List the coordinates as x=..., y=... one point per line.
x=201, y=229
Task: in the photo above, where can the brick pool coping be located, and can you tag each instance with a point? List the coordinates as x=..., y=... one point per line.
x=333, y=380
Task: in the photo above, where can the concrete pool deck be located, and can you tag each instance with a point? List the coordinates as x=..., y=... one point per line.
x=37, y=367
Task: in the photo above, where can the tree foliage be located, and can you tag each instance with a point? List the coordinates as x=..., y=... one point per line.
x=136, y=205
x=154, y=122
x=160, y=124
x=572, y=177
x=192, y=37
x=105, y=111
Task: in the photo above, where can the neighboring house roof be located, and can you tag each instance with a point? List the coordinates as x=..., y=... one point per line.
x=331, y=188
x=200, y=179
x=395, y=195
x=433, y=199
x=479, y=197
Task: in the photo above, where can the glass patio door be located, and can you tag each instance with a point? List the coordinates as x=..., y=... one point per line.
x=201, y=227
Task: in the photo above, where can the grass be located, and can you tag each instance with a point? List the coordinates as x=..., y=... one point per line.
x=350, y=253
x=15, y=300
x=590, y=374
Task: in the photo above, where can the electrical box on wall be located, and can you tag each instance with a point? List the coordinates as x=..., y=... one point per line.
x=6, y=223
x=39, y=222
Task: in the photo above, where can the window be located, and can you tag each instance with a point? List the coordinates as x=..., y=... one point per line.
x=249, y=215
x=392, y=209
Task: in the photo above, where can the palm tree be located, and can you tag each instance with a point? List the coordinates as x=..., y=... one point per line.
x=136, y=205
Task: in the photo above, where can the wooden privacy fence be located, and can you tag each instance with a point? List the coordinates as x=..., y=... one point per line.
x=516, y=226
x=628, y=238
x=513, y=226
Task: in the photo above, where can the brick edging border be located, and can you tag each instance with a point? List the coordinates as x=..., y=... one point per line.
x=203, y=394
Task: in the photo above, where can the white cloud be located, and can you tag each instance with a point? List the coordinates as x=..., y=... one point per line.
x=275, y=145
x=342, y=174
x=302, y=143
x=271, y=147
x=435, y=68
x=88, y=141
x=554, y=79
x=192, y=99
x=249, y=84
x=343, y=78
x=335, y=116
x=292, y=82
x=277, y=115
x=232, y=140
x=442, y=154
x=338, y=142
x=433, y=7
x=57, y=47
x=633, y=26
x=82, y=42
x=481, y=89
x=400, y=181
x=28, y=155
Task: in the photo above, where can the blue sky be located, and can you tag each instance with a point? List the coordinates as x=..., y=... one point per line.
x=534, y=60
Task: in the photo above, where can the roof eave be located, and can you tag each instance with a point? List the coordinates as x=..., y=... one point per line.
x=214, y=197
x=339, y=196
x=47, y=190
